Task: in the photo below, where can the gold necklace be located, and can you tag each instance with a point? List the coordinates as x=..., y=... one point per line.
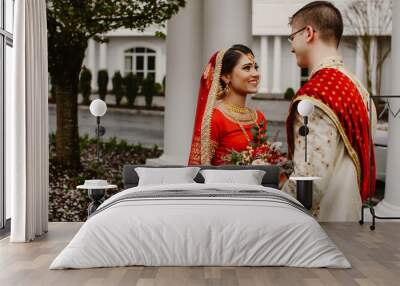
x=244, y=130
x=236, y=108
x=246, y=118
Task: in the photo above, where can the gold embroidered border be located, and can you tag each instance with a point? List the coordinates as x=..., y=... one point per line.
x=352, y=153
x=195, y=152
x=335, y=62
x=213, y=148
x=206, y=121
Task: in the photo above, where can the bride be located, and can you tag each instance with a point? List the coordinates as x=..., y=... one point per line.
x=223, y=121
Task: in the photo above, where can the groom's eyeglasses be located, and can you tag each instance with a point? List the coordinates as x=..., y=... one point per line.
x=291, y=36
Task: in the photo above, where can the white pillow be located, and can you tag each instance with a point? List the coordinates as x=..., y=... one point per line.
x=248, y=177
x=163, y=176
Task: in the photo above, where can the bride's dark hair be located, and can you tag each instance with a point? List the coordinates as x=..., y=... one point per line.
x=230, y=60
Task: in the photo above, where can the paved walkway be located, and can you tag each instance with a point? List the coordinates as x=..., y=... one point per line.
x=136, y=127
x=146, y=129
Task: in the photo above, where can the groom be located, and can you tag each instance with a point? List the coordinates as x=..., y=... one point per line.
x=338, y=141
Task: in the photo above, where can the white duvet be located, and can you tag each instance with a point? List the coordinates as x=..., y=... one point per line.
x=200, y=231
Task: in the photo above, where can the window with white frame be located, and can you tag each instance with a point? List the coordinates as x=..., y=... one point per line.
x=140, y=61
x=6, y=44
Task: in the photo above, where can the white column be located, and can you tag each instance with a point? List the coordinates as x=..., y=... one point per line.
x=163, y=68
x=276, y=71
x=373, y=57
x=159, y=66
x=103, y=56
x=390, y=205
x=226, y=22
x=296, y=73
x=359, y=70
x=184, y=67
x=92, y=61
x=264, y=65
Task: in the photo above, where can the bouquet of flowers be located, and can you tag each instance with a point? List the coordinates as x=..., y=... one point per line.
x=261, y=151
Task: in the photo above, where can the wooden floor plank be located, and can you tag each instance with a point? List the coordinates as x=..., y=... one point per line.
x=374, y=255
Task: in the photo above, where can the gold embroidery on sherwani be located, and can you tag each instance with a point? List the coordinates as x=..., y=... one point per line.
x=206, y=149
x=329, y=112
x=330, y=62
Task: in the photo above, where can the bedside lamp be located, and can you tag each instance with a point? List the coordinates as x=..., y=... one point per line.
x=98, y=108
x=305, y=108
x=304, y=192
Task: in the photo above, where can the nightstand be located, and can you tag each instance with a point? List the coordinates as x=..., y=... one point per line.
x=96, y=192
x=304, y=190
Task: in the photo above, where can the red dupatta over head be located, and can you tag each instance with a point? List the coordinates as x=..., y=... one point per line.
x=209, y=87
x=333, y=92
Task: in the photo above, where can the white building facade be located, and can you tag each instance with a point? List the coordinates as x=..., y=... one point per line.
x=125, y=51
x=144, y=53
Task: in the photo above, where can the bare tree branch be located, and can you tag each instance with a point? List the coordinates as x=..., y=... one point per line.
x=370, y=19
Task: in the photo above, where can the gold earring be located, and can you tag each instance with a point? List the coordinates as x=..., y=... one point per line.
x=227, y=89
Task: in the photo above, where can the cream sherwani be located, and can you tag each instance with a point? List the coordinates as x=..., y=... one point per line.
x=336, y=197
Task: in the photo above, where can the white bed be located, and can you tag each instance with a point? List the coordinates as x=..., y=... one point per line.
x=202, y=231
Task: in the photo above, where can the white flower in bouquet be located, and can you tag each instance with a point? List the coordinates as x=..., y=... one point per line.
x=276, y=145
x=259, y=162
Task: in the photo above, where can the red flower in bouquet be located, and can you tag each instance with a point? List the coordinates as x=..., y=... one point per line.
x=261, y=151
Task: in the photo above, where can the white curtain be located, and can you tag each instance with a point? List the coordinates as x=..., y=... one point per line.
x=27, y=124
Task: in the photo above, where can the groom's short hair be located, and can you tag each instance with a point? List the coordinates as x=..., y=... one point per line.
x=322, y=16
